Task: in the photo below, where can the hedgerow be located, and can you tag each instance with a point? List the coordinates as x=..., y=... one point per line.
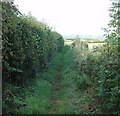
x=102, y=65
x=28, y=45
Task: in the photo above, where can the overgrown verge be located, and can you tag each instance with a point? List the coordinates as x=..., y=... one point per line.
x=89, y=80
x=28, y=46
x=76, y=95
x=34, y=98
x=102, y=66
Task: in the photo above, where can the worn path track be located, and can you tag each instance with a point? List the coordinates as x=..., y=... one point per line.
x=54, y=100
x=66, y=98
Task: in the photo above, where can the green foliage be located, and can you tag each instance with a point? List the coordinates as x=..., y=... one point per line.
x=32, y=99
x=83, y=81
x=109, y=83
x=37, y=100
x=102, y=65
x=101, y=68
x=28, y=45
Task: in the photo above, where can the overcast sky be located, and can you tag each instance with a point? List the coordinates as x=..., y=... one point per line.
x=78, y=17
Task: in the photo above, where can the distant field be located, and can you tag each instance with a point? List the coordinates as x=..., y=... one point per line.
x=91, y=43
x=68, y=42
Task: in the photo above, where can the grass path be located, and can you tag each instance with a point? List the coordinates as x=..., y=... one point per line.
x=56, y=91
x=54, y=100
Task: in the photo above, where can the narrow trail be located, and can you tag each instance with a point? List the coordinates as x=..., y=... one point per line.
x=54, y=100
x=66, y=97
x=59, y=90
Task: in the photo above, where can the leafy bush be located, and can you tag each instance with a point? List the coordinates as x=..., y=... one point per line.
x=28, y=45
x=102, y=65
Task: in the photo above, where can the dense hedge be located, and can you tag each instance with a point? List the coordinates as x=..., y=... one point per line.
x=102, y=65
x=28, y=45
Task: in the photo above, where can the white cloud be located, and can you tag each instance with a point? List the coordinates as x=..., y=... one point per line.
x=70, y=16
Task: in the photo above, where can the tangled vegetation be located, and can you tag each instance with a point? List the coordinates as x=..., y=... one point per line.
x=28, y=47
x=102, y=65
x=41, y=75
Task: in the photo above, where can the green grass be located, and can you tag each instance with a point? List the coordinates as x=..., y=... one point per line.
x=38, y=94
x=71, y=98
x=37, y=101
